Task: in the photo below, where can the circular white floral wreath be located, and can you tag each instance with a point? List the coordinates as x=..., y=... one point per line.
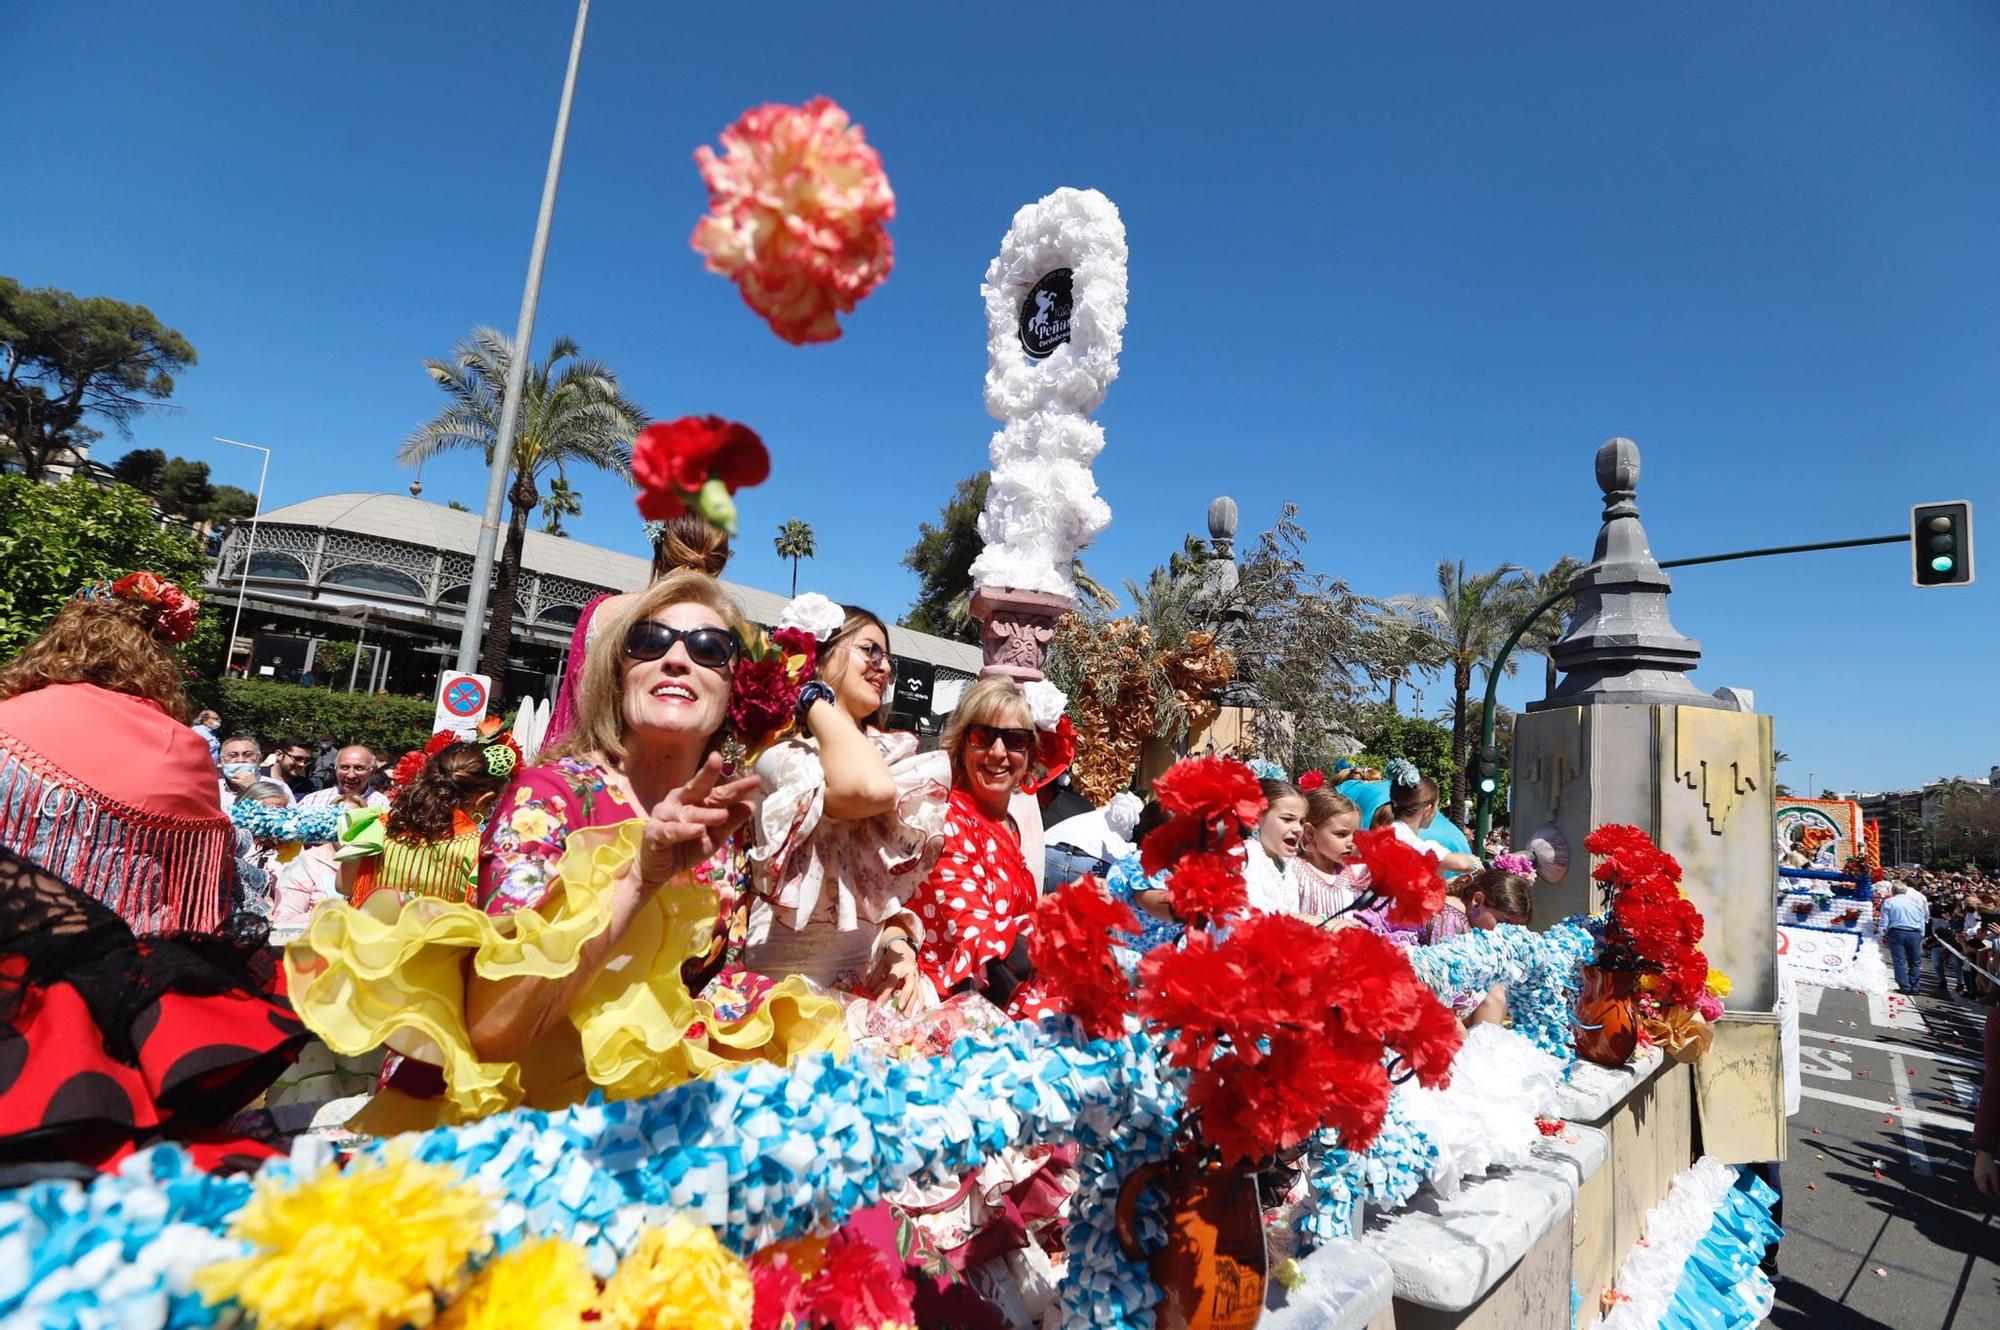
x=1078, y=229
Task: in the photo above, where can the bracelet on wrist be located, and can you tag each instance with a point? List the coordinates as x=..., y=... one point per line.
x=815, y=690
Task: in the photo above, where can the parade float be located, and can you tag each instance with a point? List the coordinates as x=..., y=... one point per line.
x=1255, y=1115
x=1829, y=860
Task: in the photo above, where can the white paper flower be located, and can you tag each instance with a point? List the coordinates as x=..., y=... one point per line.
x=1046, y=703
x=1122, y=813
x=1078, y=229
x=814, y=613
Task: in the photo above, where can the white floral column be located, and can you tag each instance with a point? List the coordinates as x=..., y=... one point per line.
x=1055, y=316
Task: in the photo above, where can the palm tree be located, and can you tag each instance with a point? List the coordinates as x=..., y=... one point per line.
x=1469, y=617
x=1549, y=629
x=1408, y=647
x=570, y=413
x=1779, y=790
x=795, y=542
x=561, y=501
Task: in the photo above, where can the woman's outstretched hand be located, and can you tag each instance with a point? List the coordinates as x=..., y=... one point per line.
x=687, y=827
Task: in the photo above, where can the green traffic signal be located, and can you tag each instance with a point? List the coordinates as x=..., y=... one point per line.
x=1941, y=544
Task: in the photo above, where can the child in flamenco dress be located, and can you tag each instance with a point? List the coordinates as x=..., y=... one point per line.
x=426, y=843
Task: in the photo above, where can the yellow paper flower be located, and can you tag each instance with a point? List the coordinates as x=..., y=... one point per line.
x=678, y=1278
x=542, y=1285
x=365, y=1249
x=1718, y=983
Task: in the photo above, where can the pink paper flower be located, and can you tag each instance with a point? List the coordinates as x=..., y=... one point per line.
x=797, y=213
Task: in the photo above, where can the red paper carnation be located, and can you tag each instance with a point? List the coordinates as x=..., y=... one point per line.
x=1070, y=947
x=1055, y=749
x=697, y=462
x=858, y=1287
x=1167, y=843
x=779, y=1294
x=798, y=212
x=1311, y=781
x=1212, y=789
x=1405, y=875
x=1208, y=885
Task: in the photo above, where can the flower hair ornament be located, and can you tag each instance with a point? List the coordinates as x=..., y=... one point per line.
x=1263, y=768
x=1055, y=737
x=1311, y=780
x=764, y=688
x=1402, y=773
x=495, y=741
x=814, y=614
x=170, y=611
x=1520, y=865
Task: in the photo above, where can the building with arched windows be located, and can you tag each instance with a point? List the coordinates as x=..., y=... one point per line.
x=391, y=573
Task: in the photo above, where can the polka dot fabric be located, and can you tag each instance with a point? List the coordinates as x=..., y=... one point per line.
x=977, y=901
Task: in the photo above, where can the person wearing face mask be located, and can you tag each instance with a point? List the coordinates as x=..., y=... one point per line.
x=598, y=949
x=242, y=762
x=977, y=903
x=850, y=823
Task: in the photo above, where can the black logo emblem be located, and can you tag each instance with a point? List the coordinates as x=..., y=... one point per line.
x=1045, y=314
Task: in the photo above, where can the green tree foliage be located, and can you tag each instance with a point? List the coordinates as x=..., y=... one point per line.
x=795, y=542
x=561, y=501
x=572, y=413
x=1963, y=826
x=1469, y=617
x=942, y=560
x=185, y=491
x=230, y=504
x=390, y=725
x=64, y=357
x=333, y=662
x=140, y=469
x=1549, y=629
x=55, y=539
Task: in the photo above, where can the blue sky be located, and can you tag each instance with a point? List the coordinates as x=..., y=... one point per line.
x=1405, y=266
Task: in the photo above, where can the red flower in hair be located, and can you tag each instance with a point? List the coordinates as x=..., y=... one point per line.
x=1071, y=950
x=858, y=1287
x=1407, y=876
x=1311, y=781
x=173, y=610
x=1208, y=885
x=679, y=465
x=1212, y=789
x=1055, y=749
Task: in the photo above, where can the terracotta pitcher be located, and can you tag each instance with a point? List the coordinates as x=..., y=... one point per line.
x=1607, y=1018
x=1211, y=1270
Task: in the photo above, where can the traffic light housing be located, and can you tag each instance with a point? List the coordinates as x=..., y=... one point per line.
x=1941, y=544
x=1486, y=770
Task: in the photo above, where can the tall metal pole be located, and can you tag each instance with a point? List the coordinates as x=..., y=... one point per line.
x=243, y=581
x=517, y=369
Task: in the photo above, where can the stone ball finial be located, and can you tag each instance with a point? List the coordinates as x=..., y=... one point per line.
x=1618, y=466
x=1222, y=519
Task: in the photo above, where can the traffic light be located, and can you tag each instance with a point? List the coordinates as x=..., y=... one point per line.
x=1487, y=769
x=1941, y=544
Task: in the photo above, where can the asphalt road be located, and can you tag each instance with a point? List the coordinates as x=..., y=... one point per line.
x=1882, y=1224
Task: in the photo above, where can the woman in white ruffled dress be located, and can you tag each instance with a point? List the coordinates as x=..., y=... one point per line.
x=850, y=825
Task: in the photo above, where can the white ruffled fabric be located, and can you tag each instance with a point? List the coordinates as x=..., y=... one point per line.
x=1652, y=1270
x=1485, y=1119
x=863, y=869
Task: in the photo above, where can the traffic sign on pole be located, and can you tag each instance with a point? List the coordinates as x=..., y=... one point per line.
x=461, y=702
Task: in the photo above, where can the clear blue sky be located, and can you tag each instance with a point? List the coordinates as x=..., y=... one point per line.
x=1404, y=265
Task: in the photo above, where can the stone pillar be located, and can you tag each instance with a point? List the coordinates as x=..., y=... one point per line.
x=1627, y=737
x=1015, y=629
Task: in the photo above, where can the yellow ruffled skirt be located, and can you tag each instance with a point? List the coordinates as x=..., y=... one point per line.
x=370, y=978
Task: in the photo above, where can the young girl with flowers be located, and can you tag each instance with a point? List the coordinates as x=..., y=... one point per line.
x=427, y=842
x=1279, y=831
x=1412, y=806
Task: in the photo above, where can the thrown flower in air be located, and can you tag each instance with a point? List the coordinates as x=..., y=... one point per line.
x=797, y=213
x=697, y=462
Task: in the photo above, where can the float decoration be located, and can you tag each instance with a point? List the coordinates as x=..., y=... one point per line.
x=1649, y=956
x=1055, y=316
x=798, y=213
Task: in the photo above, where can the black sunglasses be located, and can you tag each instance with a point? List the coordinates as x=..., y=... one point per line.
x=981, y=737
x=872, y=652
x=711, y=648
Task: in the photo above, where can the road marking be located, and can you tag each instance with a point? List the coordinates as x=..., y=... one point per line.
x=1913, y=1144
x=1851, y=1042
x=1809, y=997
x=1829, y=1063
x=1964, y=1093
x=1902, y=1014
x=1923, y=1116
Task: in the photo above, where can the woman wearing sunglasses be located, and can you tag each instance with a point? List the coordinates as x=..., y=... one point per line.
x=976, y=905
x=597, y=949
x=849, y=826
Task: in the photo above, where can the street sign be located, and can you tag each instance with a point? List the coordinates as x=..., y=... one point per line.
x=461, y=702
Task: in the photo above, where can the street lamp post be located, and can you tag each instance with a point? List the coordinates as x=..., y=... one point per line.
x=243, y=579
x=517, y=369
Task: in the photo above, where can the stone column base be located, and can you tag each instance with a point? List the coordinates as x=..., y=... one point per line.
x=1016, y=628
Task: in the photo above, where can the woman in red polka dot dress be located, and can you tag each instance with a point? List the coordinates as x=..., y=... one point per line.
x=976, y=905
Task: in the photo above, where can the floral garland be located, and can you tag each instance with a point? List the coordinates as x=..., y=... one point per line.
x=1042, y=505
x=289, y=824
x=1541, y=971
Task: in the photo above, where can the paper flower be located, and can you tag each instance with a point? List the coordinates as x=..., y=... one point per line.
x=370, y=1248
x=1402, y=772
x=678, y=1278
x=697, y=462
x=1211, y=789
x=1071, y=948
x=798, y=208
x=1046, y=703
x=858, y=1287
x=1311, y=781
x=1402, y=873
x=814, y=614
x=545, y=1284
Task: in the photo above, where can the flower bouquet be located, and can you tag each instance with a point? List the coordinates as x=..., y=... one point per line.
x=1651, y=978
x=1802, y=906
x=1851, y=915
x=1284, y=1027
x=764, y=690
x=1822, y=897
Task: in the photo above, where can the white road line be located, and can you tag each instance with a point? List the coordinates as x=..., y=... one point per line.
x=1809, y=996
x=1964, y=1093
x=1923, y=1116
x=1913, y=1144
x=1851, y=1042
x=1902, y=1014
